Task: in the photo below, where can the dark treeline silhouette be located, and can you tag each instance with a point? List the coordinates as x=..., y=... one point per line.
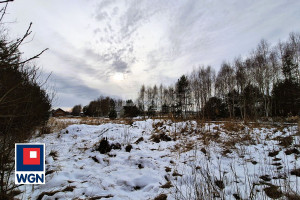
x=264, y=84
x=102, y=107
x=108, y=107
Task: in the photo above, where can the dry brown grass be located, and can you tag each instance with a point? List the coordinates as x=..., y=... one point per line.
x=161, y=197
x=167, y=185
x=285, y=141
x=56, y=124
x=232, y=126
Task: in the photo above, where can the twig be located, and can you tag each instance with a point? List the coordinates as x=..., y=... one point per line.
x=6, y=1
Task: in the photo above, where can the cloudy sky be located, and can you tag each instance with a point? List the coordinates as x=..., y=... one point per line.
x=111, y=47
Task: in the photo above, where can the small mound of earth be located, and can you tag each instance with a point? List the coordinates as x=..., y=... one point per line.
x=160, y=137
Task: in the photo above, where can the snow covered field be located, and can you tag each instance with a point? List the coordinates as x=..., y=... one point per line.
x=202, y=161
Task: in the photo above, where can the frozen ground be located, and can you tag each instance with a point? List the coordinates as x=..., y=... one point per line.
x=203, y=161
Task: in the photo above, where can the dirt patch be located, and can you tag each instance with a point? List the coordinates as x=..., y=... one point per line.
x=66, y=189
x=161, y=197
x=226, y=151
x=273, y=153
x=139, y=140
x=236, y=196
x=220, y=184
x=296, y=172
x=273, y=192
x=53, y=154
x=176, y=174
x=104, y=146
x=292, y=150
x=292, y=196
x=128, y=148
x=140, y=166
x=168, y=169
x=95, y=159
x=101, y=197
x=50, y=172
x=167, y=185
x=231, y=126
x=160, y=137
x=285, y=141
x=116, y=146
x=265, y=178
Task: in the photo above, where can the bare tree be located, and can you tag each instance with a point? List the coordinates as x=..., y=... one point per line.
x=225, y=83
x=141, y=99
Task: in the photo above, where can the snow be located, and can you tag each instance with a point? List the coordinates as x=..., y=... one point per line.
x=140, y=173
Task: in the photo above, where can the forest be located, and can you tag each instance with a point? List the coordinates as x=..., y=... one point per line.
x=266, y=83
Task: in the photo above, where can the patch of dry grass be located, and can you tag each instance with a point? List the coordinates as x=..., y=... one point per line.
x=232, y=126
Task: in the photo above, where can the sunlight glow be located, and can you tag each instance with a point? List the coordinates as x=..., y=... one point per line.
x=118, y=76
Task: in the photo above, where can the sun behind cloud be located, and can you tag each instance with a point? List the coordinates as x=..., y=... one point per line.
x=118, y=76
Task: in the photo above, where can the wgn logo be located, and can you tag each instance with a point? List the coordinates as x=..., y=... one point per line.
x=30, y=163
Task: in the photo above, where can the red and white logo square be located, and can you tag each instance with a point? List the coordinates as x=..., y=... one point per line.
x=31, y=156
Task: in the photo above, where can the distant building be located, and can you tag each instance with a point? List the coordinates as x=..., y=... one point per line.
x=120, y=111
x=59, y=113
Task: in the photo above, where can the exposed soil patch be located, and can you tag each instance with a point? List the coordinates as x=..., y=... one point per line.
x=273, y=192
x=161, y=197
x=220, y=184
x=265, y=178
x=104, y=146
x=116, y=146
x=101, y=197
x=167, y=185
x=95, y=159
x=66, y=189
x=236, y=196
x=203, y=150
x=128, y=148
x=168, y=169
x=176, y=174
x=285, y=141
x=49, y=172
x=226, y=151
x=273, y=153
x=140, y=166
x=139, y=140
x=292, y=150
x=296, y=172
x=160, y=137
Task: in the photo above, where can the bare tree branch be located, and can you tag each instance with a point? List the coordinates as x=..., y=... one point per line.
x=3, y=10
x=34, y=57
x=6, y=1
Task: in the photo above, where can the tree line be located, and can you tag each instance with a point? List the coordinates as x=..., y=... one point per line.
x=101, y=107
x=107, y=107
x=266, y=83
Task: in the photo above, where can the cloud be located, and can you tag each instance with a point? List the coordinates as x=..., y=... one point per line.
x=70, y=90
x=101, y=16
x=149, y=42
x=120, y=66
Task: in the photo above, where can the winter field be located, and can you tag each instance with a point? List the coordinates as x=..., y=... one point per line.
x=161, y=159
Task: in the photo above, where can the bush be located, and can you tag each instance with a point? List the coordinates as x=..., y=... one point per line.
x=112, y=114
x=104, y=146
x=131, y=111
x=24, y=105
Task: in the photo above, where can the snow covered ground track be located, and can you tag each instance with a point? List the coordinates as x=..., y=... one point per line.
x=203, y=161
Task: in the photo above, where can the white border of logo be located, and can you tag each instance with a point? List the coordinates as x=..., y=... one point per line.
x=30, y=172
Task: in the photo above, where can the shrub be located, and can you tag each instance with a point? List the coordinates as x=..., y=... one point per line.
x=112, y=114
x=104, y=146
x=24, y=104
